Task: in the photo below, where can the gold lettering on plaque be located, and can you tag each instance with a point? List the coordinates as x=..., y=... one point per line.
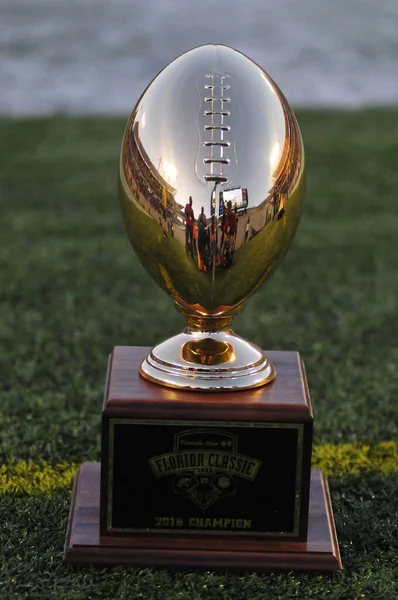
x=214, y=523
x=234, y=464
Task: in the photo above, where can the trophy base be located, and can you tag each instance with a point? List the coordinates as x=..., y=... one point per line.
x=84, y=546
x=208, y=361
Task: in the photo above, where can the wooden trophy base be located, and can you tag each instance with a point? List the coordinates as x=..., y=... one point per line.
x=84, y=546
x=203, y=480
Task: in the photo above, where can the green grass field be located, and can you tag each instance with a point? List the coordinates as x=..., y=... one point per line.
x=71, y=289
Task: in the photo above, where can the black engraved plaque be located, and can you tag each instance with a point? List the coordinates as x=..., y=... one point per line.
x=241, y=478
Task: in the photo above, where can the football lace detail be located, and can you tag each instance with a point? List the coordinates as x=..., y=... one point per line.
x=215, y=127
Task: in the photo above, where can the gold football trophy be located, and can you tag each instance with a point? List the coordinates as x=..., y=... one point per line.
x=212, y=473
x=211, y=180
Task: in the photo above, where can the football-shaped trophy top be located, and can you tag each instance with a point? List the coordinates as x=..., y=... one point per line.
x=211, y=184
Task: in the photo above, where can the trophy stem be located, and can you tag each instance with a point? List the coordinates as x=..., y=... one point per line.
x=208, y=323
x=208, y=360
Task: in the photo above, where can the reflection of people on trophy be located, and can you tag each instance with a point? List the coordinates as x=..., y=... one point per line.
x=164, y=212
x=189, y=223
x=194, y=235
x=228, y=238
x=213, y=260
x=203, y=242
x=282, y=210
x=247, y=233
x=275, y=202
x=202, y=219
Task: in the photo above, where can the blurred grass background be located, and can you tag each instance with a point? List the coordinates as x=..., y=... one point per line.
x=71, y=289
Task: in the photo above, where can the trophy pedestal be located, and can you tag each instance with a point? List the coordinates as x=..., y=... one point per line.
x=84, y=546
x=201, y=480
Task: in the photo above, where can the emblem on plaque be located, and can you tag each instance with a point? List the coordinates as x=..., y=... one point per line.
x=205, y=464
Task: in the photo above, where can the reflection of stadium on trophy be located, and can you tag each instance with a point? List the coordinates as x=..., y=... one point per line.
x=237, y=196
x=153, y=194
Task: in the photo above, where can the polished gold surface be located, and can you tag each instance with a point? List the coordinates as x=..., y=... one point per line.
x=211, y=184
